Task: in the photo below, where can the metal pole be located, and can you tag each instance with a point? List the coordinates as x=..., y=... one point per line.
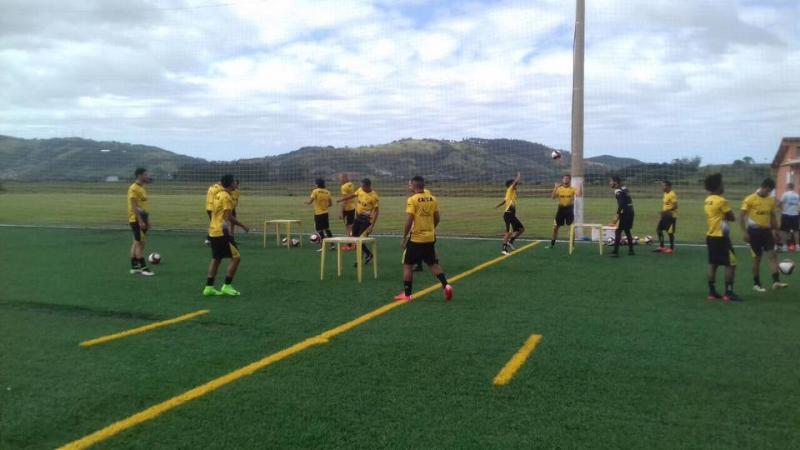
x=577, y=110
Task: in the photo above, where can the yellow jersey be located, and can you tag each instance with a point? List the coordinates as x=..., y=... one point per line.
x=716, y=208
x=321, y=199
x=670, y=203
x=759, y=210
x=566, y=195
x=235, y=197
x=222, y=202
x=511, y=198
x=211, y=194
x=367, y=201
x=348, y=189
x=136, y=192
x=423, y=206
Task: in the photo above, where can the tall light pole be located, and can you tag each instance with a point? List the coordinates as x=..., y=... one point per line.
x=577, y=110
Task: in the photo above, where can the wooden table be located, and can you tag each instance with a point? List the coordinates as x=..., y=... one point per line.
x=287, y=223
x=598, y=226
x=359, y=243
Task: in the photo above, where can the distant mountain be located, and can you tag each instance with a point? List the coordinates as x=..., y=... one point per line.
x=83, y=159
x=613, y=162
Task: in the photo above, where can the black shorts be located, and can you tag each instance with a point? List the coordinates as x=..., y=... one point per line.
x=223, y=247
x=720, y=251
x=626, y=222
x=360, y=225
x=349, y=216
x=761, y=240
x=667, y=223
x=321, y=222
x=418, y=252
x=512, y=223
x=139, y=235
x=565, y=215
x=790, y=223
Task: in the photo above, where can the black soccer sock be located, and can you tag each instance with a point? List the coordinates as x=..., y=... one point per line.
x=366, y=251
x=442, y=279
x=630, y=240
x=776, y=277
x=660, y=238
x=407, y=288
x=552, y=242
x=757, y=280
x=512, y=239
x=209, y=282
x=134, y=263
x=228, y=280
x=328, y=233
x=712, y=290
x=142, y=263
x=672, y=241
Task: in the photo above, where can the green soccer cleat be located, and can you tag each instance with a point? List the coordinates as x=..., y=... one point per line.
x=209, y=291
x=227, y=289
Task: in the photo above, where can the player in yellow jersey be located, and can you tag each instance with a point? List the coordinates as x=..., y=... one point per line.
x=565, y=215
x=222, y=245
x=514, y=227
x=367, y=210
x=759, y=224
x=669, y=218
x=321, y=199
x=139, y=221
x=718, y=240
x=348, y=213
x=422, y=218
x=418, y=266
x=211, y=193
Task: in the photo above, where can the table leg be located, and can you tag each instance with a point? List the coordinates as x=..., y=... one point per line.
x=265, y=234
x=338, y=257
x=600, y=240
x=289, y=234
x=358, y=259
x=322, y=265
x=300, y=232
x=571, y=238
x=278, y=235
x=375, y=258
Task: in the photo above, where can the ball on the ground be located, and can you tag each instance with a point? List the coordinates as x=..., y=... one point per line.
x=648, y=239
x=555, y=154
x=295, y=242
x=610, y=241
x=786, y=266
x=154, y=258
x=314, y=238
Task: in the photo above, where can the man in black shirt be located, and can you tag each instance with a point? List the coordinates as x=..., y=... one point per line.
x=623, y=219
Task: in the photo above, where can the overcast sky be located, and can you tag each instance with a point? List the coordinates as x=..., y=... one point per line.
x=243, y=78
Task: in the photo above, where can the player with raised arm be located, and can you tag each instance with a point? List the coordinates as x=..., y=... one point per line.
x=367, y=210
x=760, y=229
x=222, y=246
x=718, y=240
x=623, y=219
x=790, y=217
x=565, y=214
x=419, y=239
x=139, y=221
x=514, y=227
x=321, y=198
x=669, y=218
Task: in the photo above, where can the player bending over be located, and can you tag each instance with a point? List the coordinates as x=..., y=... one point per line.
x=321, y=198
x=139, y=221
x=422, y=218
x=348, y=213
x=760, y=229
x=790, y=217
x=366, y=213
x=514, y=227
x=222, y=245
x=565, y=214
x=718, y=240
x=211, y=193
x=623, y=219
x=669, y=218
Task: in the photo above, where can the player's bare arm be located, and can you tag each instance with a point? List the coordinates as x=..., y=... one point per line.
x=229, y=217
x=435, y=219
x=407, y=229
x=743, y=225
x=346, y=198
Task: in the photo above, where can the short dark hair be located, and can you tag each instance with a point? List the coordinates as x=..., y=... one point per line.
x=320, y=182
x=366, y=182
x=418, y=181
x=566, y=175
x=616, y=179
x=713, y=182
x=139, y=171
x=226, y=181
x=667, y=183
x=768, y=183
x=509, y=182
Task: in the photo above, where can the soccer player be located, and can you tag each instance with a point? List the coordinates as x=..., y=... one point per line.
x=669, y=218
x=418, y=266
x=222, y=245
x=760, y=228
x=139, y=220
x=367, y=210
x=211, y=193
x=565, y=214
x=321, y=198
x=718, y=241
x=790, y=217
x=514, y=227
x=348, y=213
x=623, y=219
x=422, y=218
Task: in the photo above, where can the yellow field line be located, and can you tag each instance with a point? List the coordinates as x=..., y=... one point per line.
x=156, y=410
x=516, y=361
x=152, y=326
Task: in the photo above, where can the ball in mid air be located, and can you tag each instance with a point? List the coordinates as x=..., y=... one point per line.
x=154, y=258
x=786, y=266
x=555, y=154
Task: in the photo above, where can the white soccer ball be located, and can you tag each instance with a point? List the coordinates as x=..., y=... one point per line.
x=786, y=266
x=555, y=154
x=648, y=239
x=154, y=258
x=295, y=242
x=314, y=238
x=610, y=241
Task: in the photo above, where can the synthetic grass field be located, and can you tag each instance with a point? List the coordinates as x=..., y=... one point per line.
x=632, y=354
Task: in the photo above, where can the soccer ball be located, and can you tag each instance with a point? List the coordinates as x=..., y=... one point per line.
x=295, y=242
x=314, y=238
x=610, y=241
x=154, y=258
x=786, y=266
x=636, y=240
x=648, y=239
x=556, y=154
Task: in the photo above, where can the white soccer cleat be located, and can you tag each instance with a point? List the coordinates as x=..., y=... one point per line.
x=758, y=288
x=779, y=285
x=147, y=272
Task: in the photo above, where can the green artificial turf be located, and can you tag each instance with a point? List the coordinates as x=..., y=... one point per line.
x=632, y=354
